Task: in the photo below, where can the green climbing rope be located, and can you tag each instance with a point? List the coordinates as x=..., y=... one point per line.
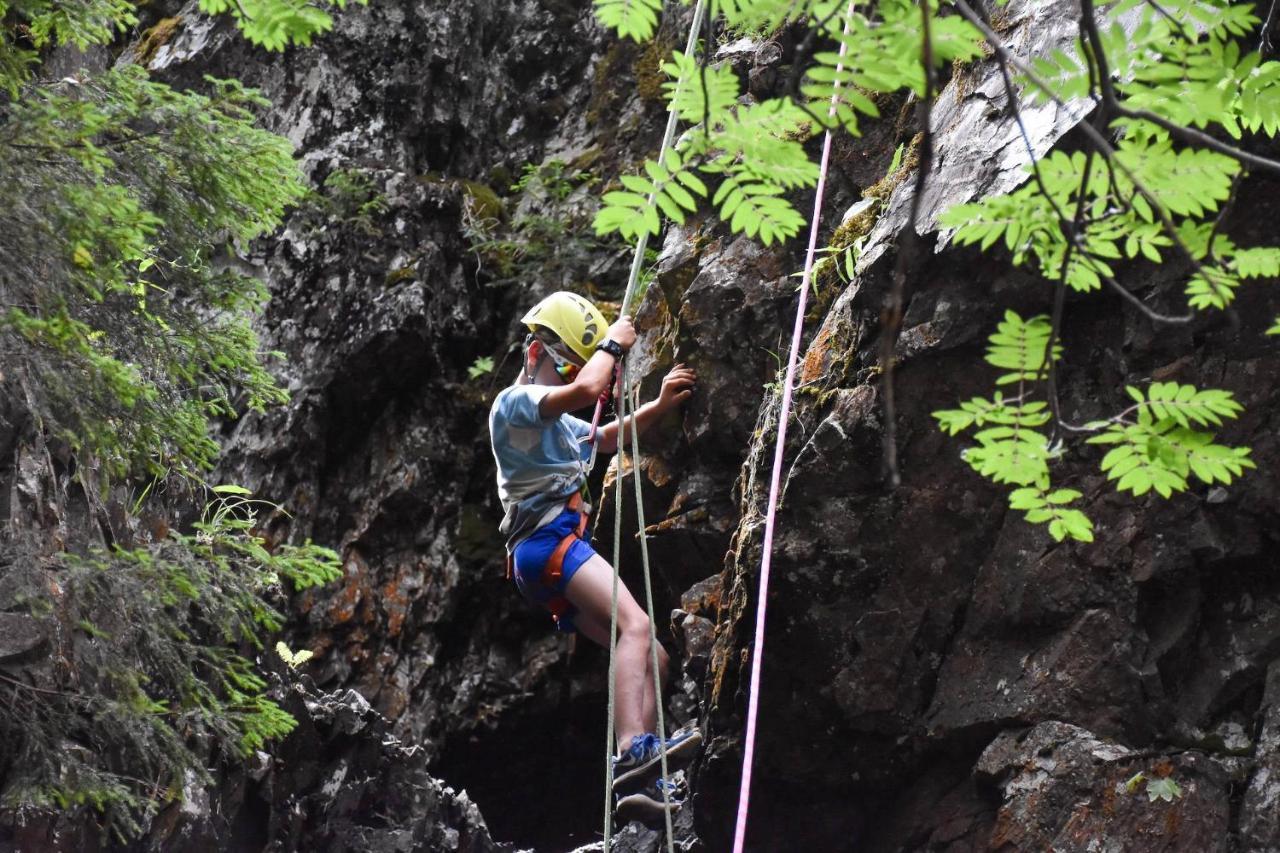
x=636, y=262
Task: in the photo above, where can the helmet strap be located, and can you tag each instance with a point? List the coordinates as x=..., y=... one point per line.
x=529, y=341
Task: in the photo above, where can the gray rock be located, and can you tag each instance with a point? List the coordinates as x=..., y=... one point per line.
x=21, y=637
x=1260, y=811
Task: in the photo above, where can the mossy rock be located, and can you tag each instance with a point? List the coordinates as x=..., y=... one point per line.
x=604, y=88
x=501, y=176
x=884, y=188
x=155, y=38
x=477, y=538
x=398, y=275
x=484, y=199
x=648, y=68
x=584, y=161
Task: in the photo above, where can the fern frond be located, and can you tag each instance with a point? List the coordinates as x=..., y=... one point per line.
x=698, y=93
x=755, y=208
x=1019, y=347
x=633, y=19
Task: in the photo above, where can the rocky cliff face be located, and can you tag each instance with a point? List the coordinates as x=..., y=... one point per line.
x=940, y=675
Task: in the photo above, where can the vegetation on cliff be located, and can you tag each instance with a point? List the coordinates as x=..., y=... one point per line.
x=125, y=328
x=1152, y=183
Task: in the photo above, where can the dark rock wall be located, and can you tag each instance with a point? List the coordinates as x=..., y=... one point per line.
x=917, y=635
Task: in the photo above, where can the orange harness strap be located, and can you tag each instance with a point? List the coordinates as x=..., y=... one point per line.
x=554, y=569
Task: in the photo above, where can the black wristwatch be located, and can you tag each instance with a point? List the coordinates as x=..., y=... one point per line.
x=610, y=346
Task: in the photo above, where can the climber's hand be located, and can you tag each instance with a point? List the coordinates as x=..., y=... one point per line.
x=623, y=332
x=676, y=386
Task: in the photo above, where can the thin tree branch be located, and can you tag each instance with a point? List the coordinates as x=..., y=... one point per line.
x=1264, y=43
x=1113, y=106
x=908, y=242
x=1093, y=134
x=1178, y=27
x=1223, y=212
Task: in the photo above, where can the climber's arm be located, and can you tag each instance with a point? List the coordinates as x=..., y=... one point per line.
x=592, y=380
x=676, y=388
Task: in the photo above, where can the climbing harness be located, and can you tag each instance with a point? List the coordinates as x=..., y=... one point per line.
x=757, y=653
x=636, y=262
x=553, y=569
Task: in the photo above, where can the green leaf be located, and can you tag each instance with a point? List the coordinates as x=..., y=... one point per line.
x=634, y=19
x=1019, y=346
x=1163, y=789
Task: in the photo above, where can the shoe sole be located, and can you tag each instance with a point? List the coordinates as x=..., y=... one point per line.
x=643, y=808
x=678, y=758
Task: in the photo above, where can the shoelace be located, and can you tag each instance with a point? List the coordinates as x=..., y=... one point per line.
x=642, y=746
x=673, y=790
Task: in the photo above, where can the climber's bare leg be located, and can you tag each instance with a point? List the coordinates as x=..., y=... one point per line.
x=590, y=590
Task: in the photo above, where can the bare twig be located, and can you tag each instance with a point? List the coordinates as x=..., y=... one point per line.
x=16, y=683
x=1223, y=212
x=1264, y=43
x=908, y=241
x=1164, y=13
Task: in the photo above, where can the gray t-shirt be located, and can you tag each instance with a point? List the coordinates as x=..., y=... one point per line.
x=541, y=462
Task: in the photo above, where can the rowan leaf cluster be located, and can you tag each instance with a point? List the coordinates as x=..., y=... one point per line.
x=1151, y=185
x=742, y=157
x=745, y=155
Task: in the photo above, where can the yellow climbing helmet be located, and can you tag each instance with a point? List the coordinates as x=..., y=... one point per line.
x=577, y=322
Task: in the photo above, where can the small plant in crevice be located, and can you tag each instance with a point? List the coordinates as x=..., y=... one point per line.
x=349, y=196
x=1164, y=788
x=480, y=367
x=547, y=235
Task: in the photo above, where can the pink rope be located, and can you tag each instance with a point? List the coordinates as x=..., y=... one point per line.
x=757, y=654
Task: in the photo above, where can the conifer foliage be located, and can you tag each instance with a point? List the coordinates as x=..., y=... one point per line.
x=125, y=328
x=1154, y=184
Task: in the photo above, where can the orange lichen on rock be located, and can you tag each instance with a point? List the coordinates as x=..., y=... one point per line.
x=343, y=604
x=395, y=603
x=815, y=360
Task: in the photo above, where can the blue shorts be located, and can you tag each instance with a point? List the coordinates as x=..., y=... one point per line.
x=531, y=557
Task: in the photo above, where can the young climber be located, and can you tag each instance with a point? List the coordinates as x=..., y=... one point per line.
x=542, y=453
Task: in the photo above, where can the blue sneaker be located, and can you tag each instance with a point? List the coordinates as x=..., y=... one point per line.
x=648, y=804
x=643, y=759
